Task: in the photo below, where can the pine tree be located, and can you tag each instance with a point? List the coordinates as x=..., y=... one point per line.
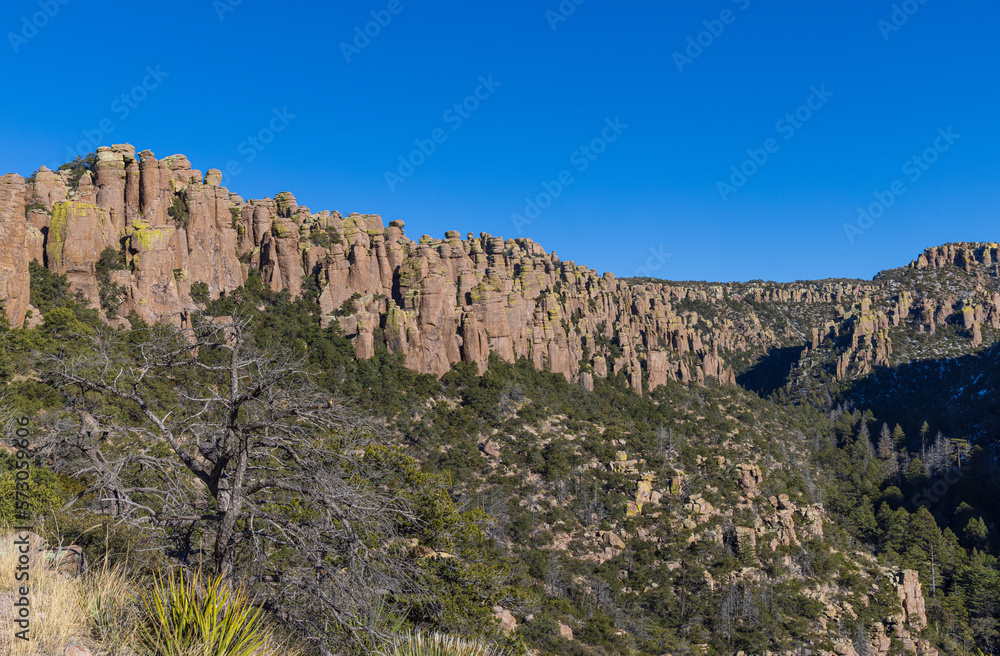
x=952, y=553
x=894, y=525
x=916, y=475
x=976, y=532
x=961, y=448
x=864, y=442
x=962, y=514
x=926, y=537
x=898, y=436
x=925, y=430
x=864, y=521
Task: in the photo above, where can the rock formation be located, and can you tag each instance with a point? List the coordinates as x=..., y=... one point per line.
x=907, y=585
x=438, y=301
x=14, y=249
x=441, y=301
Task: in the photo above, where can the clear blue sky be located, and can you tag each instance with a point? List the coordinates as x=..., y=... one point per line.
x=655, y=186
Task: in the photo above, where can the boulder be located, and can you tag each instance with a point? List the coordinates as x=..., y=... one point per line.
x=613, y=540
x=77, y=649
x=491, y=448
x=506, y=619
x=68, y=561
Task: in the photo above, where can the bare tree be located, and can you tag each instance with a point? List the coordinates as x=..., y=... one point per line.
x=886, y=447
x=864, y=438
x=887, y=452
x=728, y=612
x=202, y=432
x=862, y=645
x=940, y=455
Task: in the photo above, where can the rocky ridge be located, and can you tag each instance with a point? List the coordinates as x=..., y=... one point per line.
x=440, y=301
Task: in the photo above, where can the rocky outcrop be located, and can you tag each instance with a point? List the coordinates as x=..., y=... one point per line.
x=14, y=249
x=69, y=561
x=907, y=584
x=505, y=618
x=442, y=301
x=438, y=301
x=963, y=255
x=749, y=477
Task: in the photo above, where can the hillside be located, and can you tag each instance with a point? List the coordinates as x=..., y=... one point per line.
x=602, y=465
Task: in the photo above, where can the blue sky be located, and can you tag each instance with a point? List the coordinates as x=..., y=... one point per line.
x=694, y=91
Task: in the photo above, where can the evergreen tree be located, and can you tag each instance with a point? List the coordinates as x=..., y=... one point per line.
x=925, y=430
x=926, y=539
x=887, y=453
x=886, y=448
x=864, y=442
x=898, y=437
x=916, y=475
x=894, y=526
x=976, y=533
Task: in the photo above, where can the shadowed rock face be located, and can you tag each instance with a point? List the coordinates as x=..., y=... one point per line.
x=440, y=301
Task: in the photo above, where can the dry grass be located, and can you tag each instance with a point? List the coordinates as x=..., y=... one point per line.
x=102, y=610
x=58, y=612
x=108, y=597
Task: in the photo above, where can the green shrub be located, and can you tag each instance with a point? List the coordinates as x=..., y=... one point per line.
x=47, y=289
x=199, y=292
x=44, y=491
x=179, y=212
x=347, y=307
x=32, y=206
x=325, y=238
x=111, y=294
x=202, y=617
x=111, y=259
x=78, y=167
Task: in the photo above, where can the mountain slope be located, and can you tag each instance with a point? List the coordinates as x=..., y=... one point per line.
x=688, y=467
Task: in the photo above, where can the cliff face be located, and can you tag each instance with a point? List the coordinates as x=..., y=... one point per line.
x=437, y=301
x=440, y=301
x=14, y=249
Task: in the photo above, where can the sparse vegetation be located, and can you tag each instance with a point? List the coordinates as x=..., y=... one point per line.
x=437, y=644
x=324, y=237
x=179, y=211
x=77, y=168
x=200, y=292
x=64, y=610
x=112, y=294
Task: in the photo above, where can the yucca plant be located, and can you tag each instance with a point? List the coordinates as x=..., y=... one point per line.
x=437, y=644
x=200, y=617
